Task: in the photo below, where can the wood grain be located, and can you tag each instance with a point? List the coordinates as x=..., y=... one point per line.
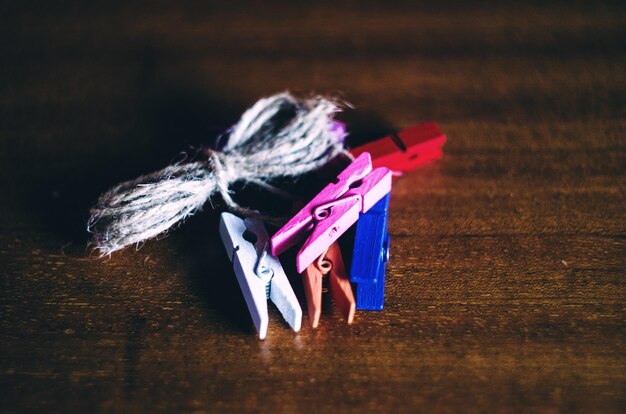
x=506, y=287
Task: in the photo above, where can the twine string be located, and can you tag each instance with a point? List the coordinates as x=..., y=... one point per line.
x=279, y=137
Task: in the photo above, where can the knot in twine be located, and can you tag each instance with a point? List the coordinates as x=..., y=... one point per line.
x=279, y=137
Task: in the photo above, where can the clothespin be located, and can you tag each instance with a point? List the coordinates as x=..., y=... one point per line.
x=370, y=256
x=406, y=150
x=260, y=275
x=330, y=266
x=333, y=211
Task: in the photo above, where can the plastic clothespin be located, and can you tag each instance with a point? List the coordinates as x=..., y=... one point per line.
x=407, y=149
x=333, y=211
x=370, y=256
x=260, y=275
x=330, y=264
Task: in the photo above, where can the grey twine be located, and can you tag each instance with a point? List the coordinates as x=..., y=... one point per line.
x=279, y=137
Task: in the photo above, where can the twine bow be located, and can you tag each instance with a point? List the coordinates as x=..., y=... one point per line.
x=279, y=137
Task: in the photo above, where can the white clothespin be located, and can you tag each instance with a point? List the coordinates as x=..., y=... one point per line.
x=259, y=273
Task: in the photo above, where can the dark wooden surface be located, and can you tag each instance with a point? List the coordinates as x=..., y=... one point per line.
x=506, y=288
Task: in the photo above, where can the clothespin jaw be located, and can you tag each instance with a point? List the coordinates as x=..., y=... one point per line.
x=330, y=264
x=406, y=150
x=370, y=256
x=333, y=211
x=260, y=275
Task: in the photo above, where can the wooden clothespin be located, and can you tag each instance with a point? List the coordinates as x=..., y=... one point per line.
x=406, y=150
x=370, y=256
x=329, y=265
x=260, y=275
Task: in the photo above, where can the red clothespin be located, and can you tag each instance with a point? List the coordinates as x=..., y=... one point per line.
x=407, y=149
x=329, y=265
x=333, y=211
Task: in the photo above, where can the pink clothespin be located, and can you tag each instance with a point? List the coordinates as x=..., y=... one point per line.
x=333, y=211
x=406, y=150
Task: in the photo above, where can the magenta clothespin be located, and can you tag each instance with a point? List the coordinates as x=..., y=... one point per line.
x=333, y=211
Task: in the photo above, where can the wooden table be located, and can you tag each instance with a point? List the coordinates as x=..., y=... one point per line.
x=506, y=288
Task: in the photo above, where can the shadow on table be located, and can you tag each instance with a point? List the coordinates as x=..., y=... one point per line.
x=172, y=125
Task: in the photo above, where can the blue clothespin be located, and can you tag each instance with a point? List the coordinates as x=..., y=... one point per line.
x=260, y=275
x=370, y=256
